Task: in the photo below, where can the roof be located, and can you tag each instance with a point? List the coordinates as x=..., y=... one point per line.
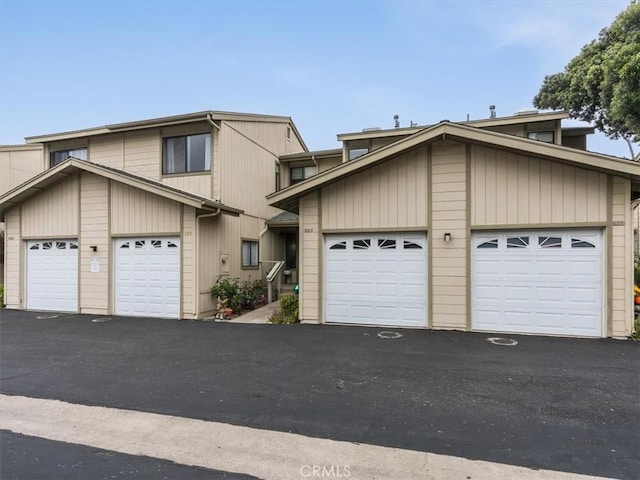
x=577, y=131
x=287, y=198
x=203, y=116
x=310, y=155
x=482, y=123
x=35, y=185
x=284, y=219
x=11, y=148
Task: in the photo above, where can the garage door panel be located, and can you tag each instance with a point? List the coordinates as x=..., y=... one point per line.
x=52, y=275
x=374, y=279
x=537, y=288
x=147, y=277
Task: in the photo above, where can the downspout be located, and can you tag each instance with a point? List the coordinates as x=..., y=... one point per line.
x=265, y=230
x=210, y=120
x=196, y=254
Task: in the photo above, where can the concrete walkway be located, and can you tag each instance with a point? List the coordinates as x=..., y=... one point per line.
x=259, y=315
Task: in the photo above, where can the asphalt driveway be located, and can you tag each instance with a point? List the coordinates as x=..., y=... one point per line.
x=553, y=403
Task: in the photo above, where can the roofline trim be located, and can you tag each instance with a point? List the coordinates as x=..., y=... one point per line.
x=464, y=133
x=125, y=178
x=485, y=122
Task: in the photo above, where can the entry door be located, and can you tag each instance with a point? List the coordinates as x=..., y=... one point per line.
x=538, y=282
x=147, y=277
x=376, y=279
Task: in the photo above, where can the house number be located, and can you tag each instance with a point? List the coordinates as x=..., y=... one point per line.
x=308, y=230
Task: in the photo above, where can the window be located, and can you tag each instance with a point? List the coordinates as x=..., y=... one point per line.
x=288, y=133
x=298, y=174
x=339, y=246
x=249, y=254
x=517, y=242
x=579, y=243
x=61, y=155
x=386, y=244
x=362, y=244
x=489, y=244
x=186, y=154
x=277, y=177
x=357, y=152
x=550, y=242
x=409, y=245
x=547, y=137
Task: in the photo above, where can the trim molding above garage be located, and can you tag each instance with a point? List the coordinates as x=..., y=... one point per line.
x=49, y=177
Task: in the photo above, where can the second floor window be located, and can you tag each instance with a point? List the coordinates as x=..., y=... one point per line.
x=547, y=137
x=298, y=174
x=186, y=154
x=61, y=155
x=357, y=152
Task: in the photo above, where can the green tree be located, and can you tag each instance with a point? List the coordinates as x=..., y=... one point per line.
x=602, y=84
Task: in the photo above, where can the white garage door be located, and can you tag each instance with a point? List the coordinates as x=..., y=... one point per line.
x=538, y=282
x=52, y=275
x=147, y=277
x=376, y=279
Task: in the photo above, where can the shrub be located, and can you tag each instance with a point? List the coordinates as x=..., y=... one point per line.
x=236, y=294
x=288, y=310
x=636, y=271
x=1, y=295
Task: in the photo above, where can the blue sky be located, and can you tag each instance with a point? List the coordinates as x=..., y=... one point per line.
x=334, y=66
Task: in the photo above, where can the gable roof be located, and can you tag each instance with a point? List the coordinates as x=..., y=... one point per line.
x=37, y=184
x=206, y=115
x=445, y=130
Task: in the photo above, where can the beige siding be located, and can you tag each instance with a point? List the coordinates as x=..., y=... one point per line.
x=142, y=153
x=199, y=184
x=271, y=135
x=13, y=264
x=135, y=212
x=188, y=261
x=246, y=169
x=53, y=213
x=449, y=260
x=510, y=189
x=208, y=262
x=390, y=195
x=328, y=163
x=107, y=150
x=622, y=260
x=94, y=230
x=311, y=258
x=19, y=165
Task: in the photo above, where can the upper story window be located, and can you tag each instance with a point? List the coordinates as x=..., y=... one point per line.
x=186, y=154
x=278, y=177
x=547, y=137
x=298, y=174
x=61, y=155
x=357, y=152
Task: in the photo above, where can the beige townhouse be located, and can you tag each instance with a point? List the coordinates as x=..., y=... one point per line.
x=141, y=218
x=501, y=225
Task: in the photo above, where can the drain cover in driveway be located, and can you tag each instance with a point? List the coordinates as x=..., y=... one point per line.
x=504, y=342
x=44, y=317
x=101, y=320
x=390, y=335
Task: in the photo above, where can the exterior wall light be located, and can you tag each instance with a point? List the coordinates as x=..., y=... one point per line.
x=447, y=237
x=94, y=248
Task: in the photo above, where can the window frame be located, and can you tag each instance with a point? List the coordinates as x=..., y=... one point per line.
x=278, y=177
x=68, y=151
x=208, y=153
x=538, y=132
x=251, y=242
x=304, y=175
x=352, y=149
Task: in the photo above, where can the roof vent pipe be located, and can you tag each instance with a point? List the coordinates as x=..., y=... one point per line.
x=396, y=119
x=492, y=110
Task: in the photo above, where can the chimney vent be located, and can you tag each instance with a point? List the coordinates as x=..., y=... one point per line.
x=492, y=110
x=396, y=119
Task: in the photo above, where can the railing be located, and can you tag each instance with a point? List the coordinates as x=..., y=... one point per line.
x=274, y=274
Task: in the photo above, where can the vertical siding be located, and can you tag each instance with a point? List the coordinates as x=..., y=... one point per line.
x=53, y=213
x=390, y=195
x=142, y=153
x=328, y=163
x=94, y=230
x=622, y=259
x=107, y=150
x=309, y=263
x=248, y=171
x=19, y=165
x=208, y=261
x=12, y=257
x=449, y=214
x=271, y=135
x=188, y=261
x=199, y=184
x=510, y=189
x=135, y=212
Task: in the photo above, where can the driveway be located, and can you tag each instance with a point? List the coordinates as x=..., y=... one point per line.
x=551, y=403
